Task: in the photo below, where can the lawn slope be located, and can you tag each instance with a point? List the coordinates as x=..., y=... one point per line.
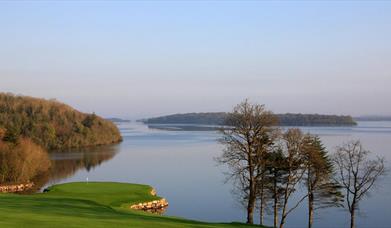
x=94, y=204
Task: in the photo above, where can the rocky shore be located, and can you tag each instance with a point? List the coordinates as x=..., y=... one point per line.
x=15, y=187
x=155, y=206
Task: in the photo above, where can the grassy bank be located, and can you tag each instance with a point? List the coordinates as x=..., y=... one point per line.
x=94, y=204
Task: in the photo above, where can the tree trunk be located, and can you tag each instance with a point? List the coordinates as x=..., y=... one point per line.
x=353, y=210
x=250, y=210
x=261, y=206
x=282, y=223
x=352, y=217
x=275, y=206
x=284, y=207
x=251, y=201
x=275, y=212
x=284, y=211
x=252, y=195
x=310, y=210
x=261, y=212
x=310, y=198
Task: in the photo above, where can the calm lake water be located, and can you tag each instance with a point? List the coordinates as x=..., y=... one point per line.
x=180, y=166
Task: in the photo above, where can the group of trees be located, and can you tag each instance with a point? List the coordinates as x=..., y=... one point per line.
x=267, y=166
x=31, y=126
x=206, y=118
x=53, y=125
x=288, y=119
x=291, y=119
x=21, y=161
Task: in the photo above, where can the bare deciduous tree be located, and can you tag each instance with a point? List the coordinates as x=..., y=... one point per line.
x=265, y=147
x=245, y=143
x=294, y=168
x=357, y=174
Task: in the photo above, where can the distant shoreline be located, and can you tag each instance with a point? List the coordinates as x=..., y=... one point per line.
x=218, y=119
x=118, y=120
x=373, y=118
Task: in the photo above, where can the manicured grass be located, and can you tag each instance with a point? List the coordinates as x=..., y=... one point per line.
x=94, y=204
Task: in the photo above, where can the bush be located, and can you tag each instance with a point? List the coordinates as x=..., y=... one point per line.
x=22, y=161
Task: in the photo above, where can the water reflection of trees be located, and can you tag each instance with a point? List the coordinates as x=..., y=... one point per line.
x=65, y=164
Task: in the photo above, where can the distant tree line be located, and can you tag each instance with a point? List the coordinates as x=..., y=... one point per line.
x=207, y=118
x=118, y=120
x=289, y=119
x=373, y=118
x=268, y=165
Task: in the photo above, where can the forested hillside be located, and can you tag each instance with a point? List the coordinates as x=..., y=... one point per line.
x=52, y=124
x=218, y=118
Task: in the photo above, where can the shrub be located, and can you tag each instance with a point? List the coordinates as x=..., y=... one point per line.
x=22, y=161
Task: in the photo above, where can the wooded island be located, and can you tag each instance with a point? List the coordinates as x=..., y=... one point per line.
x=288, y=119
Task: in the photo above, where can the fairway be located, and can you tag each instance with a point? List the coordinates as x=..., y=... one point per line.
x=94, y=204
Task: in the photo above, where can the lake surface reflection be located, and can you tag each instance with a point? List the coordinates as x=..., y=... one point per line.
x=180, y=165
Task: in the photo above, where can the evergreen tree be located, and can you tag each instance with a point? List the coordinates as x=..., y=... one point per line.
x=322, y=191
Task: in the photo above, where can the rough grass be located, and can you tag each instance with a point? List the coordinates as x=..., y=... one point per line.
x=94, y=204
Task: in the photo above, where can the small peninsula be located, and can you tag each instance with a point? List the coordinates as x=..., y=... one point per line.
x=31, y=127
x=52, y=124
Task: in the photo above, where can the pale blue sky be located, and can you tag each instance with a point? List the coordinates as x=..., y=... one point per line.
x=135, y=59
